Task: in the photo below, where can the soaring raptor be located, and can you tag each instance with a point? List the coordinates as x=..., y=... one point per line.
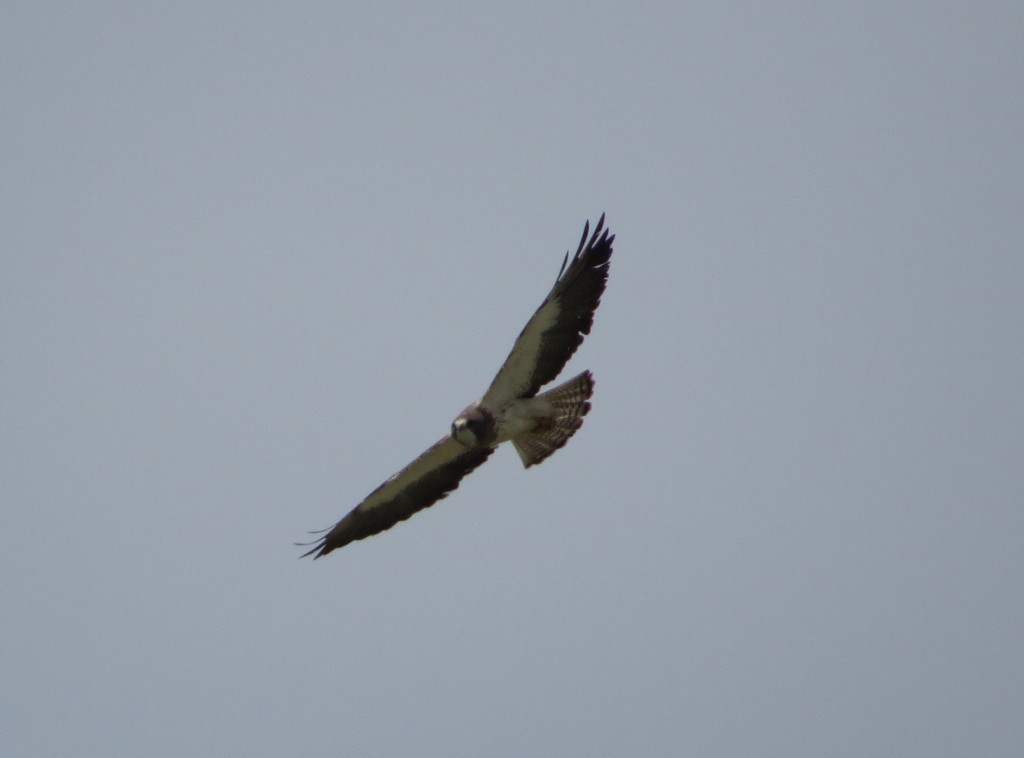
x=511, y=409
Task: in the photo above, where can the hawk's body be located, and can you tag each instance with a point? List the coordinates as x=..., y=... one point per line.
x=510, y=410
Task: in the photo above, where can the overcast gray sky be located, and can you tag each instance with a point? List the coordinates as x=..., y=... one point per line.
x=256, y=256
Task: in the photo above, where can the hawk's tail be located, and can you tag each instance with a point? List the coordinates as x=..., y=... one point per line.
x=568, y=403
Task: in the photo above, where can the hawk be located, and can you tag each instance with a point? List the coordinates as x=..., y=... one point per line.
x=510, y=409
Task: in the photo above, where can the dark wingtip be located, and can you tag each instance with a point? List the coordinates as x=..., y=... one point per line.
x=586, y=233
x=588, y=243
x=597, y=236
x=561, y=271
x=318, y=545
x=587, y=240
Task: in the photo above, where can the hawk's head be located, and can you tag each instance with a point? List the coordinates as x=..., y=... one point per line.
x=474, y=427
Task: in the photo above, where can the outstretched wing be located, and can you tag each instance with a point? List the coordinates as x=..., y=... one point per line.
x=557, y=328
x=419, y=485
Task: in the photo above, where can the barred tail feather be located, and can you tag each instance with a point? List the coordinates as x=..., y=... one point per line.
x=569, y=403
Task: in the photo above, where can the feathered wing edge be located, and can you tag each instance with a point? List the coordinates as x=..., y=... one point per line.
x=429, y=478
x=558, y=326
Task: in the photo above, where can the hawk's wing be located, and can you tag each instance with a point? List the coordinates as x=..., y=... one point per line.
x=557, y=328
x=419, y=485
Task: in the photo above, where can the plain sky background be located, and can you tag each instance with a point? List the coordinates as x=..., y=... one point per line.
x=256, y=256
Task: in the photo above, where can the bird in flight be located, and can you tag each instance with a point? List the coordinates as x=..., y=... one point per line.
x=510, y=409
